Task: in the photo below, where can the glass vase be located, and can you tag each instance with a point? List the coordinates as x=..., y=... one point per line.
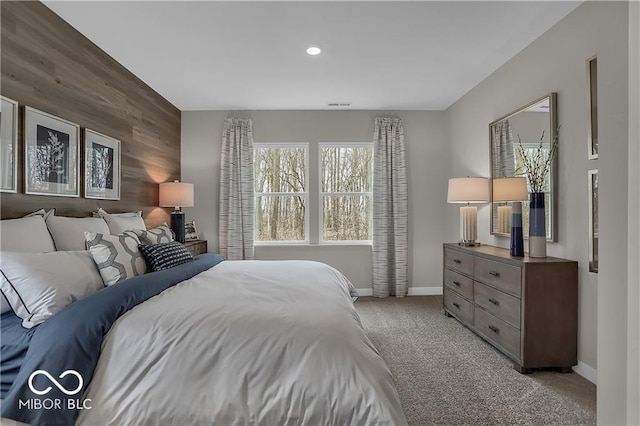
x=537, y=226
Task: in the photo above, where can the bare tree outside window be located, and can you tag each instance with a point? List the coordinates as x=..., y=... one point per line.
x=346, y=191
x=281, y=195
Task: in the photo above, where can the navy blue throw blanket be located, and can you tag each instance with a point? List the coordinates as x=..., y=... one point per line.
x=71, y=340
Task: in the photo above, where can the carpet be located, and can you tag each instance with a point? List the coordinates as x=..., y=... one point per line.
x=446, y=375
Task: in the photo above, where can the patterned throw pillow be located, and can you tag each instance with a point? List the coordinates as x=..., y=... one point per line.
x=165, y=256
x=117, y=256
x=159, y=235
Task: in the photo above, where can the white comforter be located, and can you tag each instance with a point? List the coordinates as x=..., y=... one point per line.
x=244, y=343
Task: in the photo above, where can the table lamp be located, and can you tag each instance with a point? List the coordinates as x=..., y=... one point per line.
x=176, y=194
x=514, y=190
x=468, y=190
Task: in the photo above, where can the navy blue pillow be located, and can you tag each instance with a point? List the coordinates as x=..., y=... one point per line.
x=166, y=255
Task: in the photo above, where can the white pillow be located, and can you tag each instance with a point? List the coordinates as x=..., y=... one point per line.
x=26, y=235
x=39, y=285
x=119, y=223
x=117, y=256
x=101, y=212
x=68, y=232
x=161, y=234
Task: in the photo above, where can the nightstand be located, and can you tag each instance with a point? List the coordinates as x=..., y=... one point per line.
x=196, y=247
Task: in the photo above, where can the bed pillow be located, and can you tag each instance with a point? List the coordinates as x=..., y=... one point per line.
x=165, y=256
x=38, y=285
x=117, y=256
x=68, y=232
x=100, y=212
x=26, y=235
x=161, y=234
x=120, y=224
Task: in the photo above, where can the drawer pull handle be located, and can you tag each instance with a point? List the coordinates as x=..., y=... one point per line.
x=494, y=301
x=456, y=305
x=457, y=261
x=494, y=329
x=457, y=283
x=494, y=273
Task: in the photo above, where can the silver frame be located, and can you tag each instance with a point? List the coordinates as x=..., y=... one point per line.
x=553, y=127
x=592, y=153
x=74, y=143
x=113, y=194
x=14, y=141
x=593, y=205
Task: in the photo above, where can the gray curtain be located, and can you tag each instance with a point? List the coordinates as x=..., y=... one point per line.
x=390, y=207
x=503, y=154
x=236, y=213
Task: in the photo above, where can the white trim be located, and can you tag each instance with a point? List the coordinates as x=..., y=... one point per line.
x=425, y=291
x=413, y=291
x=586, y=371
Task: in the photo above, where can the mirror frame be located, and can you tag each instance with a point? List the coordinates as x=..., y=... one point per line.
x=553, y=129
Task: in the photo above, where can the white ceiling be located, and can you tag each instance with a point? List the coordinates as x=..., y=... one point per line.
x=251, y=55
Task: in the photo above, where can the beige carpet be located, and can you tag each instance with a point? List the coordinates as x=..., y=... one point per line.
x=446, y=375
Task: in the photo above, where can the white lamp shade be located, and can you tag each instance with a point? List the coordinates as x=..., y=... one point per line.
x=510, y=189
x=468, y=190
x=176, y=194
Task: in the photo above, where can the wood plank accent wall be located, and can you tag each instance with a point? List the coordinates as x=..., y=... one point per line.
x=48, y=65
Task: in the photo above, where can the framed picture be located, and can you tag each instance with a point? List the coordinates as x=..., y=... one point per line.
x=101, y=166
x=593, y=220
x=8, y=145
x=190, y=231
x=51, y=155
x=592, y=100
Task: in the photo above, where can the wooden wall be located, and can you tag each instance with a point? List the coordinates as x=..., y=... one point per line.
x=48, y=65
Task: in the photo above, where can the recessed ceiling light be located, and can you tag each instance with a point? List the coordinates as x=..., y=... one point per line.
x=314, y=49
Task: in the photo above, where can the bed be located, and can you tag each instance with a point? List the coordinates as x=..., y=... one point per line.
x=206, y=342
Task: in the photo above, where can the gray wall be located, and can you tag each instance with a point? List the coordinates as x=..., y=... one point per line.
x=556, y=62
x=633, y=319
x=426, y=163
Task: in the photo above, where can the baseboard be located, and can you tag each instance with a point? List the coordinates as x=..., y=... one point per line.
x=586, y=371
x=413, y=291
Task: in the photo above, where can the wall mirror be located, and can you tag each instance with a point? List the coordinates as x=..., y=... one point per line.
x=525, y=126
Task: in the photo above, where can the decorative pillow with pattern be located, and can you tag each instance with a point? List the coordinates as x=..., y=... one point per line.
x=117, y=256
x=165, y=256
x=161, y=234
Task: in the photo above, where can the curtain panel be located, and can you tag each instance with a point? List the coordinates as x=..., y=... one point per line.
x=390, y=210
x=236, y=213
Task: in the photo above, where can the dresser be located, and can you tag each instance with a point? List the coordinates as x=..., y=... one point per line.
x=196, y=247
x=526, y=307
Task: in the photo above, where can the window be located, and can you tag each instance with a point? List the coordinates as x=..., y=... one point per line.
x=327, y=203
x=346, y=181
x=280, y=174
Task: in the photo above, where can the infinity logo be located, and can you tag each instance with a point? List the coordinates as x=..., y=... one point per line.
x=55, y=382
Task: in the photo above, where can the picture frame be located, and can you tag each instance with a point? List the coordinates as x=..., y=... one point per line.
x=593, y=220
x=592, y=102
x=51, y=155
x=190, y=230
x=8, y=145
x=102, y=171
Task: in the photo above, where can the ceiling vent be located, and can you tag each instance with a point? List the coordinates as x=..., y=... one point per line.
x=339, y=104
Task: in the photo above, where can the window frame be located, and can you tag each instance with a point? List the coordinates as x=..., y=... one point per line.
x=321, y=195
x=283, y=145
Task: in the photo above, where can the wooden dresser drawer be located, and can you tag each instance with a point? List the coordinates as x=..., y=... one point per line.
x=458, y=283
x=460, y=262
x=498, y=332
x=501, y=305
x=458, y=306
x=500, y=275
